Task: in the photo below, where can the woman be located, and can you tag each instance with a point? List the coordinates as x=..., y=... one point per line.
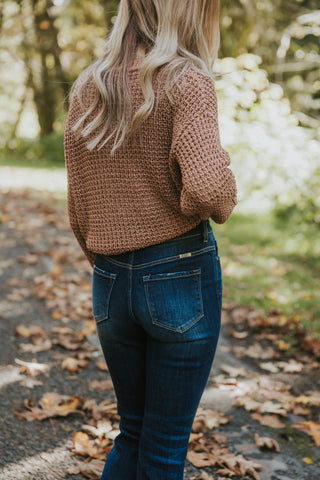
x=139, y=206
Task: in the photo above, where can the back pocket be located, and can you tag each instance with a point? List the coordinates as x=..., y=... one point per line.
x=102, y=284
x=174, y=299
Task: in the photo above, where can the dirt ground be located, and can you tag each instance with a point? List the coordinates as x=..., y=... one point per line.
x=45, y=282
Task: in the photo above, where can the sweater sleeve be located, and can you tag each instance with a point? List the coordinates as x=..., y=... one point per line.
x=72, y=212
x=208, y=186
x=73, y=202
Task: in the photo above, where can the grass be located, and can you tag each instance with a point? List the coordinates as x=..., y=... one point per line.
x=13, y=160
x=270, y=264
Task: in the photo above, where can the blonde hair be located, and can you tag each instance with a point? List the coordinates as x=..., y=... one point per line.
x=179, y=33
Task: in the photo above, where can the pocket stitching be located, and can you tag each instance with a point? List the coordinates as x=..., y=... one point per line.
x=219, y=293
x=113, y=277
x=103, y=273
x=193, y=273
x=165, y=276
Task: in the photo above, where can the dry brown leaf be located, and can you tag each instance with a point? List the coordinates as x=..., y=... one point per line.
x=90, y=327
x=206, y=419
x=311, y=428
x=256, y=350
x=313, y=399
x=32, y=368
x=39, y=345
x=257, y=318
x=312, y=345
x=29, y=259
x=299, y=410
x=269, y=366
x=102, y=429
x=202, y=459
x=266, y=442
x=239, y=314
x=248, y=403
x=236, y=371
x=272, y=421
x=290, y=367
x=194, y=437
x=92, y=469
x=73, y=364
x=66, y=341
x=101, y=384
x=282, y=345
x=270, y=407
x=225, y=471
x=50, y=405
x=239, y=335
x=106, y=407
x=82, y=445
x=240, y=465
x=205, y=476
x=30, y=331
x=101, y=364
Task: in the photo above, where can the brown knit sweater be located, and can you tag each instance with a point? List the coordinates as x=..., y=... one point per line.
x=160, y=189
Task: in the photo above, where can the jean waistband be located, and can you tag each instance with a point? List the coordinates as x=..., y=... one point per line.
x=196, y=242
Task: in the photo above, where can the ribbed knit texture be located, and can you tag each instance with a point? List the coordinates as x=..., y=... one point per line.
x=160, y=189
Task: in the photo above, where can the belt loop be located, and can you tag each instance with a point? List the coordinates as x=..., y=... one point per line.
x=204, y=227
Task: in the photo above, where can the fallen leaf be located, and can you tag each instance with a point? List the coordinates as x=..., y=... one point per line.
x=308, y=460
x=102, y=429
x=207, y=419
x=236, y=371
x=266, y=442
x=311, y=428
x=240, y=465
x=50, y=405
x=92, y=469
x=269, y=366
x=256, y=350
x=101, y=364
x=101, y=384
x=32, y=368
x=282, y=345
x=290, y=367
x=239, y=335
x=205, y=476
x=39, y=345
x=202, y=459
x=83, y=446
x=312, y=345
x=272, y=421
x=313, y=399
x=31, y=331
x=73, y=364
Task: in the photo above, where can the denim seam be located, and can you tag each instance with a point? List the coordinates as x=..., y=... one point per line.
x=130, y=287
x=219, y=294
x=168, y=276
x=215, y=273
x=167, y=327
x=161, y=260
x=113, y=277
x=103, y=273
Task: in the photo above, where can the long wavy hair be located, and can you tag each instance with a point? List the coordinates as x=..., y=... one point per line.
x=178, y=33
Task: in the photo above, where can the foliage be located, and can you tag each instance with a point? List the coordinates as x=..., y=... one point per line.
x=273, y=157
x=303, y=205
x=285, y=34
x=46, y=152
x=270, y=264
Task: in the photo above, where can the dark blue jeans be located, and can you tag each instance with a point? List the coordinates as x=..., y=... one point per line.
x=158, y=313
